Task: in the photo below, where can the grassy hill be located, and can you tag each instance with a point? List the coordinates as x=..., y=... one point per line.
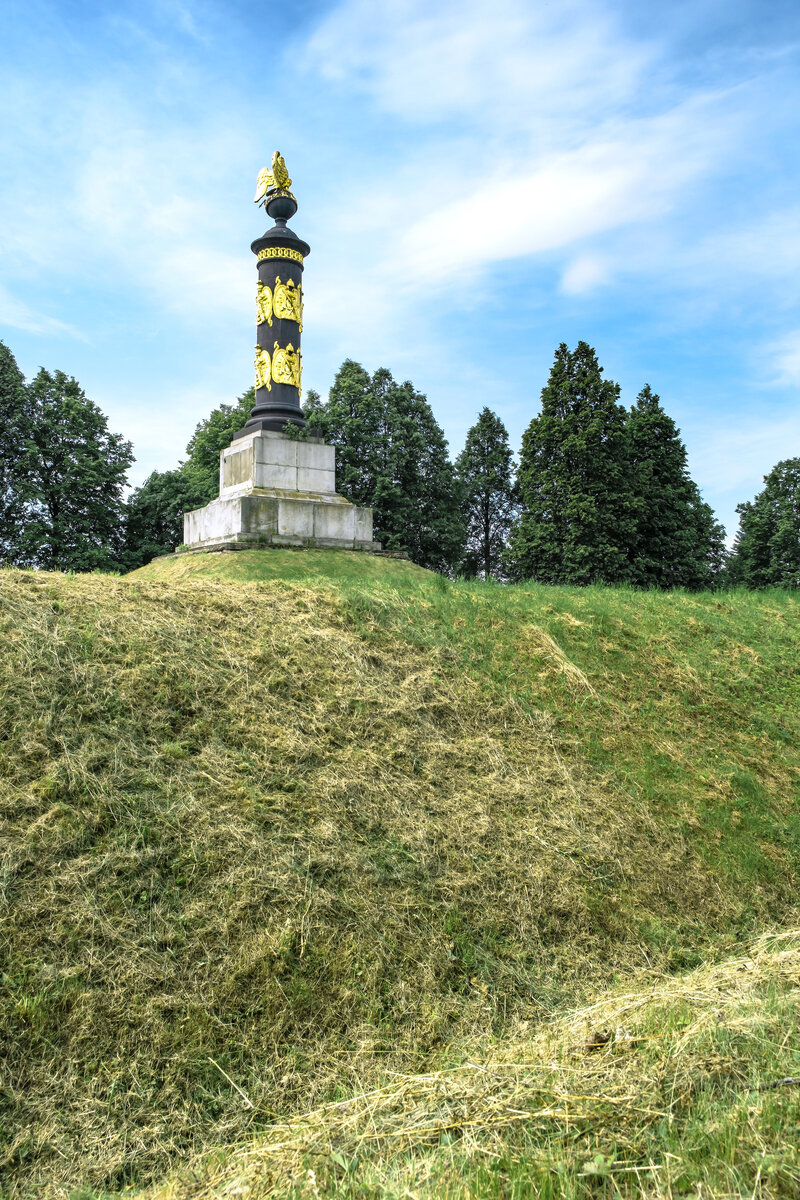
x=278, y=823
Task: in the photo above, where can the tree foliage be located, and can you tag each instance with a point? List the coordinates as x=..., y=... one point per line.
x=154, y=512
x=766, y=552
x=678, y=542
x=485, y=471
x=391, y=456
x=210, y=437
x=578, y=509
x=14, y=437
x=154, y=515
x=72, y=472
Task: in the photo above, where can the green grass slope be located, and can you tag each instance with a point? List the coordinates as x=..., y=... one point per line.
x=688, y=1087
x=272, y=828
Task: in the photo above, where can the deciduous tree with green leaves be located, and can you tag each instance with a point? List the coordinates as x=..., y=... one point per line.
x=210, y=437
x=766, y=552
x=578, y=508
x=75, y=473
x=485, y=470
x=14, y=436
x=154, y=515
x=154, y=512
x=678, y=541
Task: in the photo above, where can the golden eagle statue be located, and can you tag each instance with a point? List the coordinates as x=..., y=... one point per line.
x=276, y=179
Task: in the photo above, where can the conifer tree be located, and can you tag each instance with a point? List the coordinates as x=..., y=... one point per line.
x=75, y=474
x=391, y=456
x=578, y=510
x=678, y=541
x=485, y=470
x=766, y=552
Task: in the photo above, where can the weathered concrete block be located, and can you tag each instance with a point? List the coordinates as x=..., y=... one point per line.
x=311, y=480
x=296, y=518
x=271, y=475
x=275, y=448
x=334, y=521
x=316, y=456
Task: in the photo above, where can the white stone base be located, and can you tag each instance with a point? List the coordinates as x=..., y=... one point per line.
x=278, y=492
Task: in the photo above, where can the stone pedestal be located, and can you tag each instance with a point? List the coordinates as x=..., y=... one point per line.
x=278, y=492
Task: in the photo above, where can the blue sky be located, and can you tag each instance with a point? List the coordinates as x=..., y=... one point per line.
x=478, y=182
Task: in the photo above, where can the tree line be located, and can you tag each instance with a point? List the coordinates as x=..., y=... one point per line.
x=600, y=494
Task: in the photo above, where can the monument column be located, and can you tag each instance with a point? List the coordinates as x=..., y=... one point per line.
x=276, y=489
x=280, y=254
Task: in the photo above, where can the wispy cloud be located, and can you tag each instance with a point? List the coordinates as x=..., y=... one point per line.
x=783, y=357
x=18, y=315
x=510, y=67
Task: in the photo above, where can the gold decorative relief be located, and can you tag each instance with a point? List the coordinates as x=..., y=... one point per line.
x=263, y=369
x=280, y=252
x=287, y=302
x=263, y=304
x=286, y=365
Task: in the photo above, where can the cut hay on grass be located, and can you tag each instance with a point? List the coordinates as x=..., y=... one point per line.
x=264, y=841
x=688, y=1087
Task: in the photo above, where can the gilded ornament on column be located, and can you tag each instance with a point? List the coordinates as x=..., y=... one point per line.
x=276, y=180
x=287, y=302
x=263, y=305
x=279, y=252
x=286, y=365
x=263, y=369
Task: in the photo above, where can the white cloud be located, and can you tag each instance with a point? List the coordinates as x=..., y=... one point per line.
x=18, y=315
x=584, y=273
x=784, y=356
x=513, y=64
x=737, y=455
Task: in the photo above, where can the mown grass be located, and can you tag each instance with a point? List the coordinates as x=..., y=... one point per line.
x=690, y=1087
x=266, y=839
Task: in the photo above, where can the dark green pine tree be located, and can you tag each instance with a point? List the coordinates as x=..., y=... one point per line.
x=485, y=471
x=419, y=497
x=766, y=552
x=678, y=542
x=75, y=471
x=578, y=510
x=15, y=431
x=353, y=419
x=391, y=456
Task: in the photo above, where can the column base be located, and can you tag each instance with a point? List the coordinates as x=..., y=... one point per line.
x=263, y=518
x=275, y=491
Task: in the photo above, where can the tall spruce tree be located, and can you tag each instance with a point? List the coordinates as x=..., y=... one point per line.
x=15, y=432
x=391, y=455
x=578, y=509
x=678, y=541
x=766, y=552
x=484, y=468
x=75, y=474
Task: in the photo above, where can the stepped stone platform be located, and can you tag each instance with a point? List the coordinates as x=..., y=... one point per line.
x=275, y=491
